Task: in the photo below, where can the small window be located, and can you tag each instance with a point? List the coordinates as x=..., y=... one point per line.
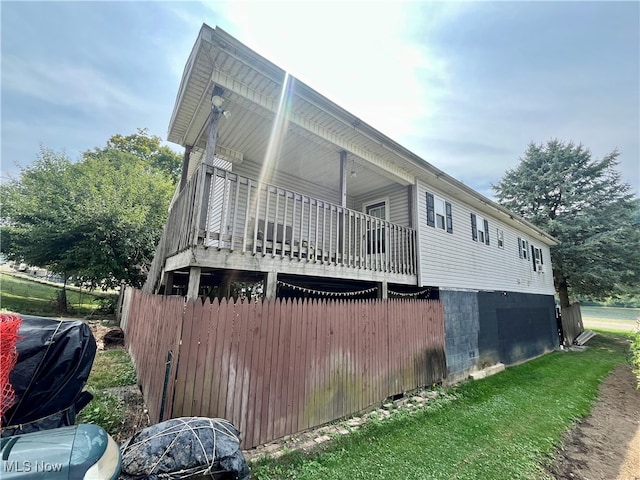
x=379, y=210
x=500, y=237
x=440, y=218
x=537, y=259
x=479, y=229
x=523, y=248
x=481, y=232
x=439, y=213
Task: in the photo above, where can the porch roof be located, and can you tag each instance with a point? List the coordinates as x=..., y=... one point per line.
x=317, y=130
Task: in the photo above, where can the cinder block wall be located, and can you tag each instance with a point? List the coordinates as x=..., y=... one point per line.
x=462, y=328
x=484, y=328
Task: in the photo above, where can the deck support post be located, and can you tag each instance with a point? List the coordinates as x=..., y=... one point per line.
x=270, y=284
x=383, y=290
x=224, y=289
x=168, y=283
x=194, y=283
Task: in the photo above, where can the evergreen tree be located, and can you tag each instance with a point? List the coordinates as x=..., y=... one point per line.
x=583, y=203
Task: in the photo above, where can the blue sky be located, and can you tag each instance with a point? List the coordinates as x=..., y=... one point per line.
x=464, y=85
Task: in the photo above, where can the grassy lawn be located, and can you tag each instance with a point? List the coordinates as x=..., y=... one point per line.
x=30, y=297
x=503, y=427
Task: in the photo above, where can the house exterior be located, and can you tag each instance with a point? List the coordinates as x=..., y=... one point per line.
x=281, y=184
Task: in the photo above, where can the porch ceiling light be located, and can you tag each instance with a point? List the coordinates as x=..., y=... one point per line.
x=217, y=101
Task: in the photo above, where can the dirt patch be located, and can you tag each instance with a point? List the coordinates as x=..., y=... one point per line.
x=136, y=415
x=606, y=444
x=99, y=328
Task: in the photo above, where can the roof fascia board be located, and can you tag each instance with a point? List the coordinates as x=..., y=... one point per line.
x=185, y=75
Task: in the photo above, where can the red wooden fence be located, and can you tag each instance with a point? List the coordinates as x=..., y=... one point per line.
x=278, y=367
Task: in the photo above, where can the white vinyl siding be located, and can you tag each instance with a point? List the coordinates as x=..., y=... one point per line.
x=282, y=180
x=397, y=199
x=457, y=261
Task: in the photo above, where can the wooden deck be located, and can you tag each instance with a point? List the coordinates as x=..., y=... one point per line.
x=224, y=220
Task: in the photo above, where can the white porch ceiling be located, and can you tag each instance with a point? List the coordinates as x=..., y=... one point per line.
x=314, y=137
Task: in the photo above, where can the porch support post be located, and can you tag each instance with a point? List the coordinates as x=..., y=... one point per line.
x=212, y=134
x=168, y=283
x=185, y=166
x=194, y=283
x=224, y=289
x=271, y=284
x=383, y=290
x=343, y=178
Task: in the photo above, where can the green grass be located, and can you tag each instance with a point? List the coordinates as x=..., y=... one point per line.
x=503, y=427
x=105, y=409
x=612, y=313
x=30, y=297
x=111, y=368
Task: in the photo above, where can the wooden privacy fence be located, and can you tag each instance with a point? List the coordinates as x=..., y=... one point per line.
x=277, y=367
x=571, y=322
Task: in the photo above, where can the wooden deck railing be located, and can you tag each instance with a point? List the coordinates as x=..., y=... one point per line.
x=254, y=217
x=222, y=209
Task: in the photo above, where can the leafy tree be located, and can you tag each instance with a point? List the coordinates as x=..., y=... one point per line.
x=147, y=148
x=582, y=202
x=98, y=219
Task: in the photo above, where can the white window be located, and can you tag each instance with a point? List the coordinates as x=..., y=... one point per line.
x=500, y=237
x=479, y=229
x=538, y=260
x=481, y=232
x=440, y=213
x=378, y=210
x=523, y=248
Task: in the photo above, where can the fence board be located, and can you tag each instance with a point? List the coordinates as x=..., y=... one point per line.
x=277, y=367
x=571, y=322
x=210, y=346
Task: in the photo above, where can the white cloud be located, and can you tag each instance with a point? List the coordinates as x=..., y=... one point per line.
x=64, y=84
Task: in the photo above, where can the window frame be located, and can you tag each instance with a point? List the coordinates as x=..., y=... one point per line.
x=523, y=248
x=480, y=229
x=375, y=204
x=433, y=213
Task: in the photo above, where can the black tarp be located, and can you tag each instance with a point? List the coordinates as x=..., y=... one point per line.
x=185, y=447
x=54, y=362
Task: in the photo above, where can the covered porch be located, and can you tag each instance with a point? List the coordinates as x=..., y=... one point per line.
x=223, y=220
